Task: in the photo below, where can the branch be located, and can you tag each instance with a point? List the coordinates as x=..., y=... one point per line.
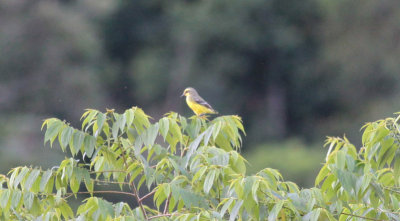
x=111, y=182
x=102, y=191
x=147, y=195
x=158, y=216
x=109, y=171
x=166, y=204
x=138, y=200
x=362, y=217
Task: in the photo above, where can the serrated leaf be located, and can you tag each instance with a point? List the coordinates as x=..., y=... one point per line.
x=28, y=199
x=164, y=126
x=254, y=190
x=16, y=198
x=5, y=198
x=20, y=176
x=53, y=128
x=273, y=214
x=235, y=210
x=209, y=181
x=66, y=135
x=45, y=178
x=321, y=175
x=101, y=118
x=91, y=114
x=192, y=147
x=78, y=138
x=150, y=135
x=340, y=159
x=199, y=174
x=313, y=215
x=225, y=207
x=207, y=134
x=89, y=143
x=129, y=115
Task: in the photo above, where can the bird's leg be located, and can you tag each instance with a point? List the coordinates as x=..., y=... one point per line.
x=203, y=116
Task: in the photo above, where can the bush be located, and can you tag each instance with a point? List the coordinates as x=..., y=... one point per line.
x=192, y=170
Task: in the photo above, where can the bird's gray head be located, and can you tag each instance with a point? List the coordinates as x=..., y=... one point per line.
x=189, y=91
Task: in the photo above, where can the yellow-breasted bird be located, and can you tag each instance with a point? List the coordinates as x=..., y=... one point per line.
x=198, y=105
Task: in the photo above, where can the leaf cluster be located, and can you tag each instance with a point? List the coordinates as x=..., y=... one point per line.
x=192, y=170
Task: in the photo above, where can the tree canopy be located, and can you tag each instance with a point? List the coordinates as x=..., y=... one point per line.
x=192, y=170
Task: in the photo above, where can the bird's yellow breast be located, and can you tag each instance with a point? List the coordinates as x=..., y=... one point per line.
x=198, y=109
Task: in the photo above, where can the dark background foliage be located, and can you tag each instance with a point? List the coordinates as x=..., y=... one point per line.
x=296, y=71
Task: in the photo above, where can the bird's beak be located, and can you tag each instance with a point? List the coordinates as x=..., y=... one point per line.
x=183, y=94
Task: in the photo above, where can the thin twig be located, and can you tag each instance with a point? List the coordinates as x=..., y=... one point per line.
x=111, y=182
x=167, y=204
x=147, y=195
x=109, y=171
x=363, y=217
x=133, y=186
x=185, y=147
x=158, y=216
x=138, y=200
x=101, y=191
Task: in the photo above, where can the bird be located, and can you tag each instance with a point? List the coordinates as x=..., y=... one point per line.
x=198, y=105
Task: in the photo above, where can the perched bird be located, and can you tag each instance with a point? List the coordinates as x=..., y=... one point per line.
x=198, y=105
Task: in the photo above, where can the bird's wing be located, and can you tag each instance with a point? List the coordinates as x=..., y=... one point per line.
x=201, y=101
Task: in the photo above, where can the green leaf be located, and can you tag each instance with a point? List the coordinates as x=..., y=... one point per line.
x=66, y=211
x=5, y=198
x=90, y=113
x=164, y=126
x=209, y=181
x=340, y=159
x=89, y=143
x=28, y=199
x=235, y=210
x=115, y=126
x=16, y=199
x=199, y=174
x=150, y=135
x=225, y=207
x=207, y=134
x=192, y=147
x=254, y=190
x=129, y=115
x=313, y=215
x=78, y=138
x=45, y=178
x=273, y=214
x=74, y=184
x=396, y=167
x=53, y=128
x=347, y=180
x=21, y=176
x=101, y=118
x=322, y=174
x=66, y=135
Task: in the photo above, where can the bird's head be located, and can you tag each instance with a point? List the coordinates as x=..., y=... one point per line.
x=189, y=91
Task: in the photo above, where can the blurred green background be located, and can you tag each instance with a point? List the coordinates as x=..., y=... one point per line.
x=296, y=71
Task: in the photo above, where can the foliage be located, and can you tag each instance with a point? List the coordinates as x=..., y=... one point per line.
x=192, y=170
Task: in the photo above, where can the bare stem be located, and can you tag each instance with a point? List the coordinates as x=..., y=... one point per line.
x=101, y=191
x=158, y=216
x=139, y=201
x=167, y=204
x=111, y=182
x=363, y=217
x=108, y=171
x=147, y=195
